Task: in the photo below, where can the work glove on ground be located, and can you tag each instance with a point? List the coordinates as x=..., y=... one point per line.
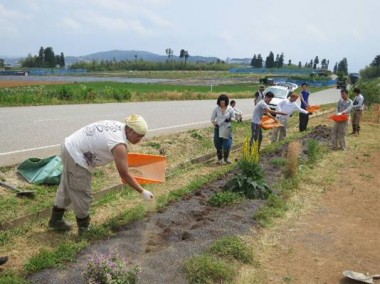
x=147, y=195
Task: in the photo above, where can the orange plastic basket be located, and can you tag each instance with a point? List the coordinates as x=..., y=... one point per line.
x=314, y=108
x=268, y=122
x=147, y=168
x=340, y=118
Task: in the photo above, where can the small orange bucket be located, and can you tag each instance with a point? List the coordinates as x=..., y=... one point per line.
x=147, y=168
x=268, y=122
x=340, y=118
x=314, y=108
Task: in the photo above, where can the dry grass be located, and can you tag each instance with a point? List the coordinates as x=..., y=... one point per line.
x=293, y=154
x=313, y=183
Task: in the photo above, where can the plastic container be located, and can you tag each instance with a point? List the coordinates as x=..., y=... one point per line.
x=147, y=168
x=268, y=122
x=314, y=108
x=340, y=118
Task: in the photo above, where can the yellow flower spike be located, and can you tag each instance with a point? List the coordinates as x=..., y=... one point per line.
x=250, y=154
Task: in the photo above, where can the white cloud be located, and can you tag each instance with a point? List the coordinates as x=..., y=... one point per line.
x=71, y=24
x=300, y=29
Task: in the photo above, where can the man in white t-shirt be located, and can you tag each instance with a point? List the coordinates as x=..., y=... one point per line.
x=288, y=106
x=94, y=145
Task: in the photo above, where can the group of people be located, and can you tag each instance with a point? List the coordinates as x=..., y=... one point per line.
x=223, y=114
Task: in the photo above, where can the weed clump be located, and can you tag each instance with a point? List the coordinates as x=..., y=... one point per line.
x=224, y=198
x=313, y=150
x=109, y=269
x=293, y=153
x=209, y=269
x=250, y=181
x=232, y=246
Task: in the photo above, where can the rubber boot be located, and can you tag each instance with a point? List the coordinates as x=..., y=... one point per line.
x=220, y=156
x=226, y=155
x=83, y=225
x=57, y=222
x=3, y=259
x=357, y=131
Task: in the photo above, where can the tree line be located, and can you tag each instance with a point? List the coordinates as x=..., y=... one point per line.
x=278, y=62
x=45, y=59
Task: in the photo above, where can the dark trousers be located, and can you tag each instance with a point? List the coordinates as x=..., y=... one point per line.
x=257, y=134
x=303, y=121
x=221, y=144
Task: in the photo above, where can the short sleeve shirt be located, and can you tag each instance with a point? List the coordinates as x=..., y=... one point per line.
x=91, y=146
x=259, y=111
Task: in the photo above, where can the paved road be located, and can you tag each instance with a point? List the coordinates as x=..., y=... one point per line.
x=37, y=131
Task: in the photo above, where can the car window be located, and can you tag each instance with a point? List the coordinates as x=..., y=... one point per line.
x=278, y=92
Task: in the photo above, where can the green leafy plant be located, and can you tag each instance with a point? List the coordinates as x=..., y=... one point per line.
x=110, y=269
x=313, y=150
x=250, y=181
x=209, y=269
x=232, y=246
x=224, y=198
x=280, y=161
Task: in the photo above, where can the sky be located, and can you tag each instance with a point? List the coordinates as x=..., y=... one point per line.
x=300, y=29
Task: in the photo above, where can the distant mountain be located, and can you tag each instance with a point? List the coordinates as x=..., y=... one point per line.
x=117, y=55
x=242, y=61
x=133, y=55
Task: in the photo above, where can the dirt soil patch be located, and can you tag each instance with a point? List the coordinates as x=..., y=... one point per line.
x=340, y=230
x=161, y=242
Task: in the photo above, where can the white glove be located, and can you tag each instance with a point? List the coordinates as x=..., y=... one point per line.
x=339, y=113
x=147, y=195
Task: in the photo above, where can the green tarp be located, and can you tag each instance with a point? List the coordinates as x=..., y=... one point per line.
x=42, y=171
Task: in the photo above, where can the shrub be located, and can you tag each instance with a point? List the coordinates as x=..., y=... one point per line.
x=109, y=269
x=65, y=94
x=232, y=246
x=370, y=90
x=250, y=181
x=209, y=269
x=313, y=150
x=224, y=198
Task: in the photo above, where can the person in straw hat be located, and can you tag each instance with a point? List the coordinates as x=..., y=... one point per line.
x=94, y=145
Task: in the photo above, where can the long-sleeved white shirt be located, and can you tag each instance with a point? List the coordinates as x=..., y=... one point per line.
x=288, y=107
